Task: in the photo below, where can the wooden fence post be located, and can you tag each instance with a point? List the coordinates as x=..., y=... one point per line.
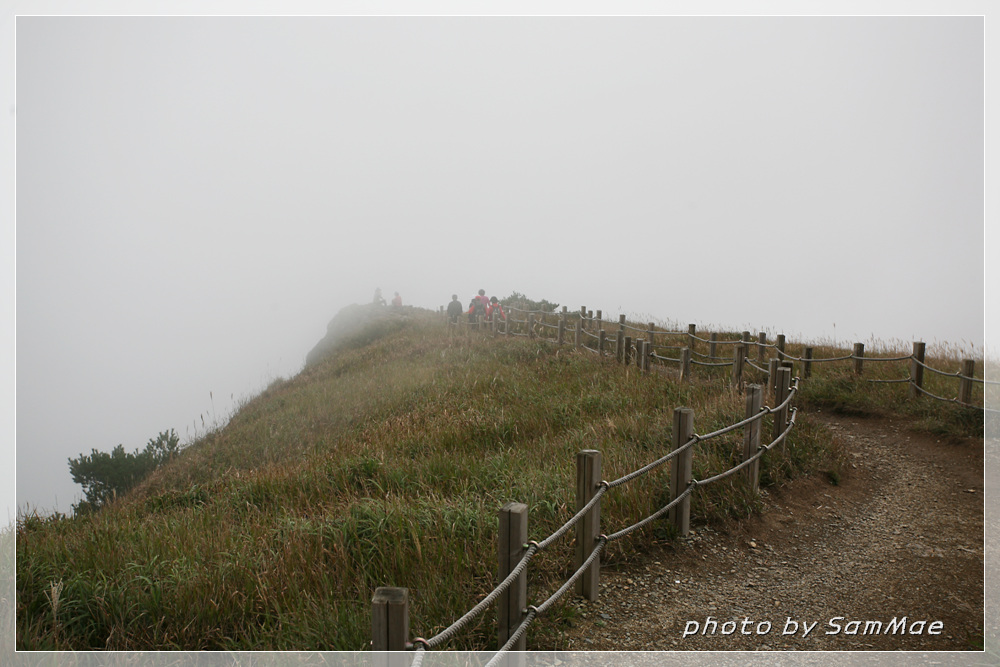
x=781, y=347
x=784, y=382
x=628, y=350
x=640, y=352
x=772, y=376
x=577, y=333
x=916, y=370
x=751, y=435
x=807, y=363
x=562, y=328
x=965, y=382
x=739, y=356
x=390, y=619
x=647, y=357
x=531, y=325
x=692, y=333
x=588, y=529
x=712, y=343
x=599, y=324
x=651, y=335
x=685, y=370
x=600, y=341
x=790, y=365
x=761, y=345
x=680, y=470
x=512, y=538
x=620, y=340
x=746, y=342
x=859, y=358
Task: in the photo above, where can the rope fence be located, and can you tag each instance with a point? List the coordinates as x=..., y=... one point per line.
x=586, y=329
x=590, y=490
x=510, y=594
x=588, y=468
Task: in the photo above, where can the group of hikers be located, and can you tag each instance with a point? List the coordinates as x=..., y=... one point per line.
x=379, y=301
x=480, y=307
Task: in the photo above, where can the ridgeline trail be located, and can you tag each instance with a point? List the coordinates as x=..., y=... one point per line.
x=900, y=535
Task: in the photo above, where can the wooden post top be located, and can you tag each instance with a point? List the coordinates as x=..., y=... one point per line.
x=514, y=507
x=391, y=595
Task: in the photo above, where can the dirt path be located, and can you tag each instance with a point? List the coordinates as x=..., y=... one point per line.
x=902, y=535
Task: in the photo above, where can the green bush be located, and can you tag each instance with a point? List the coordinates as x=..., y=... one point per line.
x=104, y=476
x=518, y=300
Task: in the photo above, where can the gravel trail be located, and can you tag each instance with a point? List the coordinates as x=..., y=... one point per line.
x=901, y=535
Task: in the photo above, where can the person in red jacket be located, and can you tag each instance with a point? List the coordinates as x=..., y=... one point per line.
x=478, y=306
x=495, y=307
x=397, y=300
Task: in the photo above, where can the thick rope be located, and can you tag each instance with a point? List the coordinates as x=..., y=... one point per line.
x=455, y=627
x=652, y=517
x=702, y=363
x=947, y=400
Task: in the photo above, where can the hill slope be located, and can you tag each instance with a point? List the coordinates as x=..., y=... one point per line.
x=383, y=462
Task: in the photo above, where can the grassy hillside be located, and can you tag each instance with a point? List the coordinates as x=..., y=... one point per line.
x=383, y=463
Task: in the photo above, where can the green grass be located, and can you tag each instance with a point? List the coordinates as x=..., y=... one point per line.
x=836, y=387
x=383, y=463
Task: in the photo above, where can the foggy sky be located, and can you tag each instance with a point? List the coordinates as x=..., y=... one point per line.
x=197, y=197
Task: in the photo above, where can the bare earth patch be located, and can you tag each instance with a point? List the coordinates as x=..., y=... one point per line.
x=901, y=535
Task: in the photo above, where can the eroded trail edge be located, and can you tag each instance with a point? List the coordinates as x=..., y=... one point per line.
x=900, y=535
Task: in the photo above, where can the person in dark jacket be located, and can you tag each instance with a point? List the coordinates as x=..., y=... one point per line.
x=454, y=308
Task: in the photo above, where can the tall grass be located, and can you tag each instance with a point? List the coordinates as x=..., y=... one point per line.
x=7, y=590
x=382, y=463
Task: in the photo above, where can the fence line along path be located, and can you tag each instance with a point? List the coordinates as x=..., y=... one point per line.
x=515, y=551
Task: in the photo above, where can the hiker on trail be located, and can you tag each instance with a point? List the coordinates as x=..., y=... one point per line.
x=454, y=308
x=483, y=300
x=473, y=305
x=477, y=308
x=397, y=300
x=377, y=299
x=495, y=307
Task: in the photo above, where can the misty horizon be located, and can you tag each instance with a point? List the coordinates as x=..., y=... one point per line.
x=197, y=197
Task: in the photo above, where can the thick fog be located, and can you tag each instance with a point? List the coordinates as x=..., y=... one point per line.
x=197, y=197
